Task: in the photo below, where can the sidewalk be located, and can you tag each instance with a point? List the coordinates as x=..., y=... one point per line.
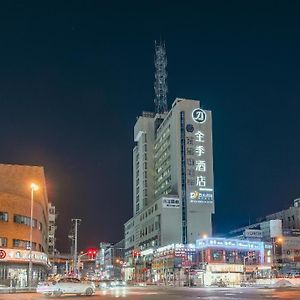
x=11, y=290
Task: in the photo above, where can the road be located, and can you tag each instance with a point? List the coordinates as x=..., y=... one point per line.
x=154, y=293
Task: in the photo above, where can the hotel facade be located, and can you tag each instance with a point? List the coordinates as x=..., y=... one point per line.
x=173, y=188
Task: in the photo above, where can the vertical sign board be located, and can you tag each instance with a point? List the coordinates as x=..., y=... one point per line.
x=275, y=228
x=199, y=157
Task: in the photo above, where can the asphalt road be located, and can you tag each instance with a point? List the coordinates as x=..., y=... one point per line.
x=154, y=293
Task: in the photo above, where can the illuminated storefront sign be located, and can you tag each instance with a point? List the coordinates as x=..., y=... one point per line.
x=8, y=255
x=225, y=268
x=230, y=244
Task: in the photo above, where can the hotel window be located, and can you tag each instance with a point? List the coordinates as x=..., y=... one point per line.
x=3, y=216
x=189, y=140
x=3, y=241
x=191, y=172
x=190, y=151
x=190, y=162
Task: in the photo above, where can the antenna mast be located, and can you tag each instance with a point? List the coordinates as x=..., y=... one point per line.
x=160, y=84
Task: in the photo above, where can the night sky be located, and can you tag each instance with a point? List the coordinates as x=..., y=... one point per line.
x=75, y=75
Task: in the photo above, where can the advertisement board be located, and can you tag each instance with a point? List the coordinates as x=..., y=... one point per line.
x=275, y=228
x=253, y=233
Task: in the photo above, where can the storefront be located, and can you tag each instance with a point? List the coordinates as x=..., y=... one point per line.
x=223, y=274
x=14, y=265
x=171, y=264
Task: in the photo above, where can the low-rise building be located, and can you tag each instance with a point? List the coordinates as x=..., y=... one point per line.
x=210, y=261
x=15, y=222
x=232, y=261
x=290, y=217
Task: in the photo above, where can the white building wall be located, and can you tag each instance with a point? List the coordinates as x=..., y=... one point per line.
x=143, y=163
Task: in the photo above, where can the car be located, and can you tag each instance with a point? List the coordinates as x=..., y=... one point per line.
x=103, y=284
x=66, y=286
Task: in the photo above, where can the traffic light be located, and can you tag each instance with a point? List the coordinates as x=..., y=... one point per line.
x=136, y=253
x=92, y=253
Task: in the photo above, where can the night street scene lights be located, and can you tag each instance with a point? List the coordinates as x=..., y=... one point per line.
x=34, y=187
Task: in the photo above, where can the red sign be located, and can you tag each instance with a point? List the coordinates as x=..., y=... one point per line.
x=2, y=254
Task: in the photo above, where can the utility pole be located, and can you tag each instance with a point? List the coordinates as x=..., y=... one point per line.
x=76, y=223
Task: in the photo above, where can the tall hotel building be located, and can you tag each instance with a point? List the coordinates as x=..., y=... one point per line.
x=173, y=191
x=173, y=196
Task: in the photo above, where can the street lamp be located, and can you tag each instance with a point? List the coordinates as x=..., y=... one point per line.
x=34, y=187
x=275, y=244
x=245, y=257
x=204, y=236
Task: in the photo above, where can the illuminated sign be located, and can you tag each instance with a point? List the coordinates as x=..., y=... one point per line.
x=23, y=255
x=199, y=115
x=203, y=197
x=253, y=233
x=230, y=244
x=225, y=268
x=2, y=254
x=199, y=161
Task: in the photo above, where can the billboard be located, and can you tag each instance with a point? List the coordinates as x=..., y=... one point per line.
x=275, y=228
x=253, y=233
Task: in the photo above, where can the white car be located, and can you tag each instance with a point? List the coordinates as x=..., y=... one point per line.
x=66, y=286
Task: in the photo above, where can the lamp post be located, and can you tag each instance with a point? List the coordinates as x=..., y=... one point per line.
x=202, y=258
x=276, y=243
x=245, y=257
x=33, y=188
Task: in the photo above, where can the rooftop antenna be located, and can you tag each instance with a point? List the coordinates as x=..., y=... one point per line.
x=160, y=84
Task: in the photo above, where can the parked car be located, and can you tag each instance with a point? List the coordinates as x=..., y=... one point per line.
x=66, y=286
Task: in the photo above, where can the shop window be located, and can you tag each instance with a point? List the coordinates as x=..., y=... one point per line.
x=217, y=255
